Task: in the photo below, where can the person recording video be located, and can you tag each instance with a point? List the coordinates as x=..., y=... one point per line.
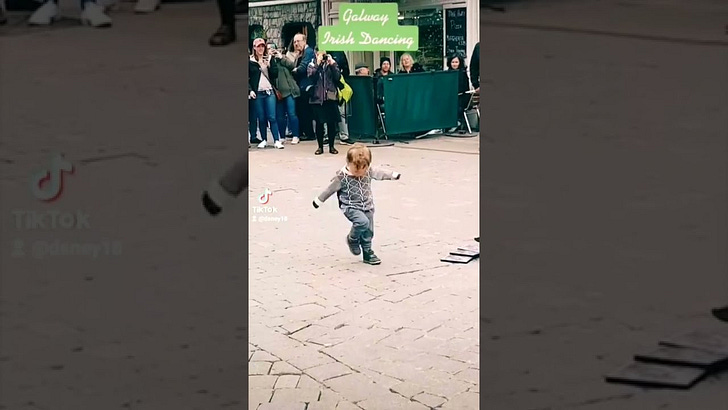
x=325, y=75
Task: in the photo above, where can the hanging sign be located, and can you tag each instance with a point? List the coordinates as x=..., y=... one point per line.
x=368, y=27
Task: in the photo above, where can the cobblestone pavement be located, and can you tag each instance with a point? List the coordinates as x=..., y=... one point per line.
x=329, y=331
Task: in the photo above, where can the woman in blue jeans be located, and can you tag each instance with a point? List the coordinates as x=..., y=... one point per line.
x=287, y=86
x=261, y=80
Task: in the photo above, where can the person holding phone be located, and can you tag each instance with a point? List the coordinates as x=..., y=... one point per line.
x=325, y=75
x=289, y=91
x=261, y=78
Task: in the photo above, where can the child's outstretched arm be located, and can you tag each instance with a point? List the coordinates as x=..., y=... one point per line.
x=333, y=187
x=383, y=174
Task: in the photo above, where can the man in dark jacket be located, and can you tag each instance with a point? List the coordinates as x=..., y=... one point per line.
x=385, y=67
x=300, y=73
x=475, y=67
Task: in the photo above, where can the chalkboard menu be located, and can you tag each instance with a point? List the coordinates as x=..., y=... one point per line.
x=455, y=31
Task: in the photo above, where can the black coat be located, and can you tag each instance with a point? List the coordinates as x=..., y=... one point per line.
x=342, y=62
x=416, y=68
x=475, y=66
x=254, y=74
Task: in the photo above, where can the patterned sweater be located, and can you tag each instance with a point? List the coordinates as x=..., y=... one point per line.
x=355, y=192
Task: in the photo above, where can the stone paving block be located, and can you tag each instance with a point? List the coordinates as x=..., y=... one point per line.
x=259, y=368
x=263, y=356
x=444, y=364
x=295, y=395
x=293, y=326
x=282, y=406
x=425, y=344
x=287, y=382
x=473, y=359
x=402, y=338
x=261, y=382
x=463, y=401
x=330, y=396
x=354, y=387
x=319, y=405
x=380, y=379
x=408, y=389
x=310, y=332
x=328, y=371
x=311, y=359
x=442, y=385
x=457, y=345
x=281, y=368
x=305, y=381
x=257, y=396
x=469, y=375
x=390, y=401
x=429, y=400
x=345, y=405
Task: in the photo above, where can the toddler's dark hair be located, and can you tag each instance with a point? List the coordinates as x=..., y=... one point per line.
x=359, y=155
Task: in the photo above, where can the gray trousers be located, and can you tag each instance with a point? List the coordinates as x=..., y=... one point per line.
x=362, y=229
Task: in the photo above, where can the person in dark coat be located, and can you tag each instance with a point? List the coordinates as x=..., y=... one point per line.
x=306, y=55
x=457, y=63
x=324, y=100
x=385, y=67
x=475, y=67
x=407, y=65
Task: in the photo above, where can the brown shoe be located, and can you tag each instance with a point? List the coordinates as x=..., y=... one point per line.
x=333, y=150
x=223, y=36
x=319, y=151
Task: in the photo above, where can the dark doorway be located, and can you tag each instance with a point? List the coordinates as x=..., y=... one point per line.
x=255, y=31
x=291, y=29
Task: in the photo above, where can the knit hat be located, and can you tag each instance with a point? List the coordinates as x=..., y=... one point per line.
x=383, y=60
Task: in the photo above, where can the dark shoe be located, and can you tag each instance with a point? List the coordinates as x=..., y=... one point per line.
x=354, y=246
x=223, y=36
x=370, y=258
x=319, y=151
x=333, y=150
x=721, y=313
x=210, y=205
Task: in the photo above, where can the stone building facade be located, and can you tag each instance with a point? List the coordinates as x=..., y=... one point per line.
x=279, y=21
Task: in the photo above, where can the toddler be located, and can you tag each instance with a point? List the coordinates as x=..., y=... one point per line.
x=353, y=187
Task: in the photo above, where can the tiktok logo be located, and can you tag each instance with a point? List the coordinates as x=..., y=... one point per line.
x=265, y=197
x=47, y=184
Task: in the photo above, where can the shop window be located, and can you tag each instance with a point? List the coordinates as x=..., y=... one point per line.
x=429, y=21
x=289, y=30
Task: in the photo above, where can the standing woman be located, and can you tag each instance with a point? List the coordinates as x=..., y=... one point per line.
x=407, y=65
x=325, y=75
x=456, y=63
x=287, y=86
x=261, y=78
